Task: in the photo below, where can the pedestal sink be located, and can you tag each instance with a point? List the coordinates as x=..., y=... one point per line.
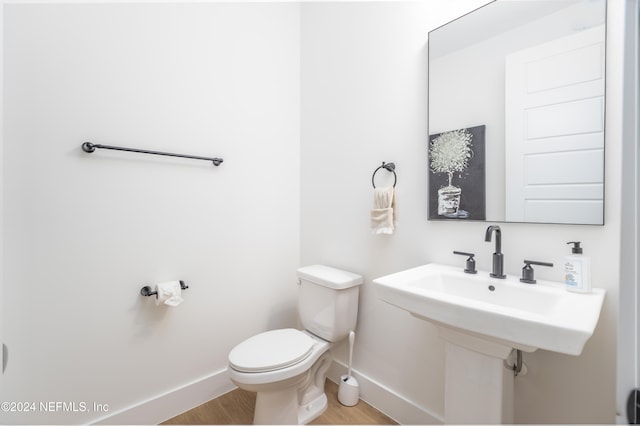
x=482, y=320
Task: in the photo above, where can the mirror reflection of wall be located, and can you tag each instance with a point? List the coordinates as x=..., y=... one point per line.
x=544, y=152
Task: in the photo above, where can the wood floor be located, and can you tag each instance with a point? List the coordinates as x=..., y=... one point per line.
x=236, y=407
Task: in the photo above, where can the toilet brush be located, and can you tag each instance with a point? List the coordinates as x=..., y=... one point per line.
x=349, y=389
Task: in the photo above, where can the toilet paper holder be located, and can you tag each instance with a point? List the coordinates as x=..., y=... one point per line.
x=148, y=291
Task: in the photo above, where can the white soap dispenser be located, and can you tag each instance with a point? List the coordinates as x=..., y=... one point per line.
x=577, y=270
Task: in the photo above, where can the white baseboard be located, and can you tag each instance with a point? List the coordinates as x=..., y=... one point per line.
x=386, y=400
x=170, y=404
x=165, y=406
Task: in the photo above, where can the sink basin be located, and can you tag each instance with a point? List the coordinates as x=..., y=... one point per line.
x=504, y=311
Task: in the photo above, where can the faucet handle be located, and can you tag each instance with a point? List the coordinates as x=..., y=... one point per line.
x=471, y=262
x=527, y=270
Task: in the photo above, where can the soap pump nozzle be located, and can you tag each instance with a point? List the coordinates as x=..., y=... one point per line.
x=576, y=249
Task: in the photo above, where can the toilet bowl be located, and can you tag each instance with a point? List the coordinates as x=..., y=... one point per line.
x=287, y=367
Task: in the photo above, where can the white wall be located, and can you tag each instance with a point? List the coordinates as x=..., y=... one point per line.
x=364, y=98
x=628, y=354
x=84, y=232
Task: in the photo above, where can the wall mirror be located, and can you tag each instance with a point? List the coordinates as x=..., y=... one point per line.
x=516, y=113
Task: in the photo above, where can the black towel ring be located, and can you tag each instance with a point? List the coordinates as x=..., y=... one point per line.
x=389, y=167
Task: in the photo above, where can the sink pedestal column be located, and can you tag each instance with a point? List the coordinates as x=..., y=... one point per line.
x=478, y=387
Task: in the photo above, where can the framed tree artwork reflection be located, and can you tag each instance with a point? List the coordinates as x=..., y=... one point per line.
x=457, y=174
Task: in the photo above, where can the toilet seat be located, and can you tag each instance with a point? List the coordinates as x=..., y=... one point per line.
x=271, y=350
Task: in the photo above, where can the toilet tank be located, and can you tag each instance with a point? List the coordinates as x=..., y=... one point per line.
x=328, y=301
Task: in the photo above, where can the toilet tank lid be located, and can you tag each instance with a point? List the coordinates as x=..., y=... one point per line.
x=329, y=277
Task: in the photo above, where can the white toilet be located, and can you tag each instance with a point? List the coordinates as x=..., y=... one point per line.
x=287, y=367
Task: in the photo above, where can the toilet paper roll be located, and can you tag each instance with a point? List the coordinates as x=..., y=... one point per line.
x=169, y=293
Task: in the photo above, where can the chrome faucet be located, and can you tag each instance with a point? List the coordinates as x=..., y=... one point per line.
x=498, y=257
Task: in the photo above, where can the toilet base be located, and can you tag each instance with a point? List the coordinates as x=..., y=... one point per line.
x=299, y=402
x=281, y=408
x=276, y=407
x=309, y=412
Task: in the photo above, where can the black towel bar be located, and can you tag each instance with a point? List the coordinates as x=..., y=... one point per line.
x=90, y=147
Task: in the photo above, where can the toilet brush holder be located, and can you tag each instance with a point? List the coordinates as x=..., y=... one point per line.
x=348, y=390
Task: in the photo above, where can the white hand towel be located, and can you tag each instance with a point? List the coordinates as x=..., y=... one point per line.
x=383, y=214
